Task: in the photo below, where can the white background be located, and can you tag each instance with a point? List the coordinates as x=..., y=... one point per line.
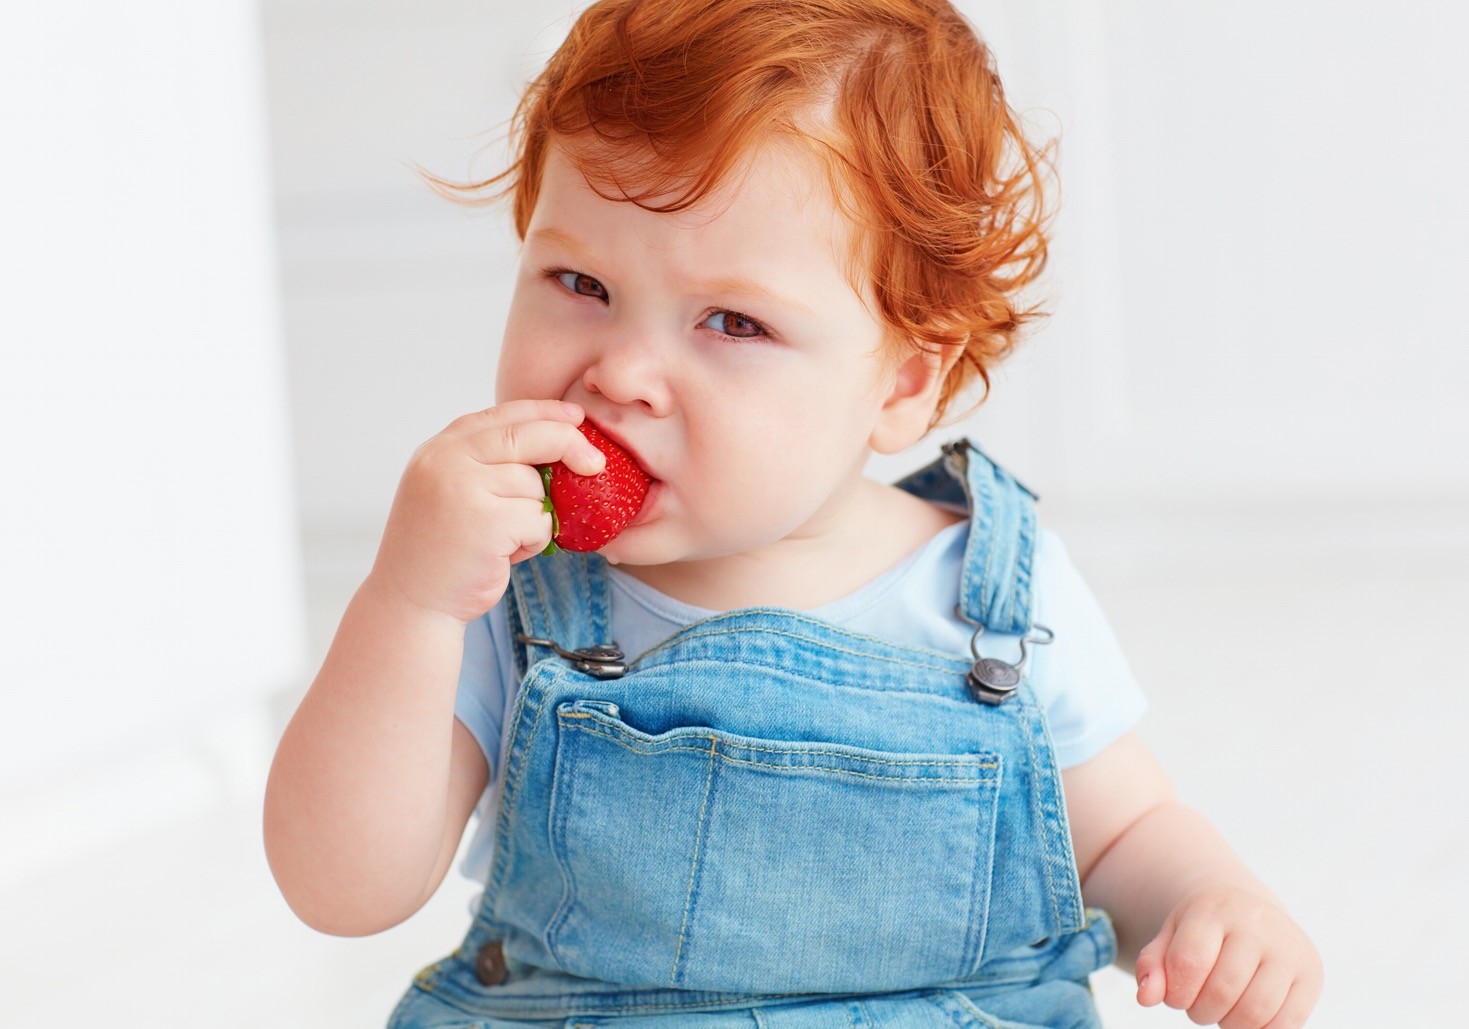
x=232, y=311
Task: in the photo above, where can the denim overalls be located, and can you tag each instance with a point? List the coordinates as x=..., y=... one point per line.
x=767, y=821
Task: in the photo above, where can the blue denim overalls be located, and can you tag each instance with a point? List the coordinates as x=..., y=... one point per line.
x=770, y=822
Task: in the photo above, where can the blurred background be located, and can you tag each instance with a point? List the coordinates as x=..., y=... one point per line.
x=232, y=311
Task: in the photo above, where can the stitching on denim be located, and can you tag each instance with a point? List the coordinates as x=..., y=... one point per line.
x=562, y=814
x=599, y=604
x=515, y=762
x=1064, y=859
x=1064, y=854
x=694, y=865
x=525, y=750
x=1054, y=830
x=984, y=871
x=604, y=1008
x=979, y=780
x=969, y=1008
x=425, y=974
x=823, y=770
x=646, y=746
x=977, y=537
x=937, y=1000
x=546, y=623
x=966, y=761
x=670, y=643
x=519, y=652
x=1005, y=572
x=980, y=535
x=1023, y=586
x=760, y=1022
x=1038, y=815
x=927, y=688
x=992, y=510
x=818, y=624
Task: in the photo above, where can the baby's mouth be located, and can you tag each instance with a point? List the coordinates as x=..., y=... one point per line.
x=650, y=502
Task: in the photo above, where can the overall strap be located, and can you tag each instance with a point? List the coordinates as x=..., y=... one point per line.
x=562, y=597
x=995, y=587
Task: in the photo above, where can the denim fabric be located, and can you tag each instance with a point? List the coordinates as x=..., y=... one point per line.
x=772, y=821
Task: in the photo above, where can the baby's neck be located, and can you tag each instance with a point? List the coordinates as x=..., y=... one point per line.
x=883, y=526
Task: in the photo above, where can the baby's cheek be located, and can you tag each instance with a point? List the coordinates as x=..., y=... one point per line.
x=519, y=379
x=768, y=505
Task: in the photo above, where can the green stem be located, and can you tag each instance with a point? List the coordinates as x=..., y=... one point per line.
x=550, y=509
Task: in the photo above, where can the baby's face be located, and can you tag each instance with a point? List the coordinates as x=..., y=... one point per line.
x=721, y=345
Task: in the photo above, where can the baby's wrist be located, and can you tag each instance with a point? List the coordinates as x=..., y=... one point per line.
x=380, y=590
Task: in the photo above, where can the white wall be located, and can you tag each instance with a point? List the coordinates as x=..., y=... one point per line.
x=149, y=551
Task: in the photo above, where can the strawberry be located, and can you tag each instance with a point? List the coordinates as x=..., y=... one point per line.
x=588, y=511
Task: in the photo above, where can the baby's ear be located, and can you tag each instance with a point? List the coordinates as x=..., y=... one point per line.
x=904, y=417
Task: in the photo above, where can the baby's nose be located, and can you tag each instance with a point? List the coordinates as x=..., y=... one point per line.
x=631, y=372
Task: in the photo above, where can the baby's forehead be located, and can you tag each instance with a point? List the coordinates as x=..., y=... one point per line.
x=787, y=171
x=636, y=171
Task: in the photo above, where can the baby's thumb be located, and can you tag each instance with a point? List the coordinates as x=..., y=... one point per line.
x=1152, y=982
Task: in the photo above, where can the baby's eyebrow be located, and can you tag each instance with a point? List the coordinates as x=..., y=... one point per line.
x=752, y=291
x=727, y=286
x=564, y=240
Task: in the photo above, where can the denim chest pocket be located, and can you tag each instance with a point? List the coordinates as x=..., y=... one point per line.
x=705, y=860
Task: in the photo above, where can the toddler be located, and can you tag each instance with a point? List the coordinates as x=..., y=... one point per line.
x=795, y=748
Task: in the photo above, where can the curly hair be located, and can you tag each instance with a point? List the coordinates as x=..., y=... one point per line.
x=899, y=98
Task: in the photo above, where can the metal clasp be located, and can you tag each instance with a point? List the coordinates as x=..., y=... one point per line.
x=991, y=680
x=602, y=660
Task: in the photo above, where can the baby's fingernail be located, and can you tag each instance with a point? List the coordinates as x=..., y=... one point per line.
x=1142, y=982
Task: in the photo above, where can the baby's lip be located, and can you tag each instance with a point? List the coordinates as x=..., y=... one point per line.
x=645, y=511
x=631, y=452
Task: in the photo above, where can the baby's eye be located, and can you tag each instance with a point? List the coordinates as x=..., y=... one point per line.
x=732, y=323
x=583, y=285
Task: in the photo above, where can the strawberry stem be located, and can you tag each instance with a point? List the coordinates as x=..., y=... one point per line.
x=550, y=508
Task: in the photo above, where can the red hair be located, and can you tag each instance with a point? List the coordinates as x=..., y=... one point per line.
x=900, y=99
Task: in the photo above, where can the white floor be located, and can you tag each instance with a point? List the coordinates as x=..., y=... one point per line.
x=1314, y=711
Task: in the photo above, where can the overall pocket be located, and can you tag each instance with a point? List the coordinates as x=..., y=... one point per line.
x=700, y=859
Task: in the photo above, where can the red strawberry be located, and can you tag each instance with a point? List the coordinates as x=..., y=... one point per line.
x=590, y=510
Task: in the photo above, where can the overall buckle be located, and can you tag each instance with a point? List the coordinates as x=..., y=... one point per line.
x=991, y=680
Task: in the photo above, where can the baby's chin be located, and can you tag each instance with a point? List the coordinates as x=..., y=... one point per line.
x=649, y=545
x=635, y=549
x=627, y=549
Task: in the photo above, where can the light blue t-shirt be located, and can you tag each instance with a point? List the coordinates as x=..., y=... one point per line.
x=1082, y=680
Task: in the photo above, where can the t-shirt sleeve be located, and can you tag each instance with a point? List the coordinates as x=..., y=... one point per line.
x=485, y=677
x=1082, y=680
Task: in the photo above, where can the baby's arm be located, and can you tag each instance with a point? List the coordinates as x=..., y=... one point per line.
x=374, y=779
x=1206, y=934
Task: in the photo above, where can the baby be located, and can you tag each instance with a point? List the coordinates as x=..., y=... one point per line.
x=793, y=747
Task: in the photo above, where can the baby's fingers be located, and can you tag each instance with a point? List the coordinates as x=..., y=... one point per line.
x=1151, y=980
x=513, y=412
x=1305, y=991
x=1262, y=999
x=1233, y=976
x=1190, y=957
x=526, y=527
x=539, y=442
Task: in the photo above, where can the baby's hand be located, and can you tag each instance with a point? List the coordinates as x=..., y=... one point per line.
x=1233, y=958
x=471, y=503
